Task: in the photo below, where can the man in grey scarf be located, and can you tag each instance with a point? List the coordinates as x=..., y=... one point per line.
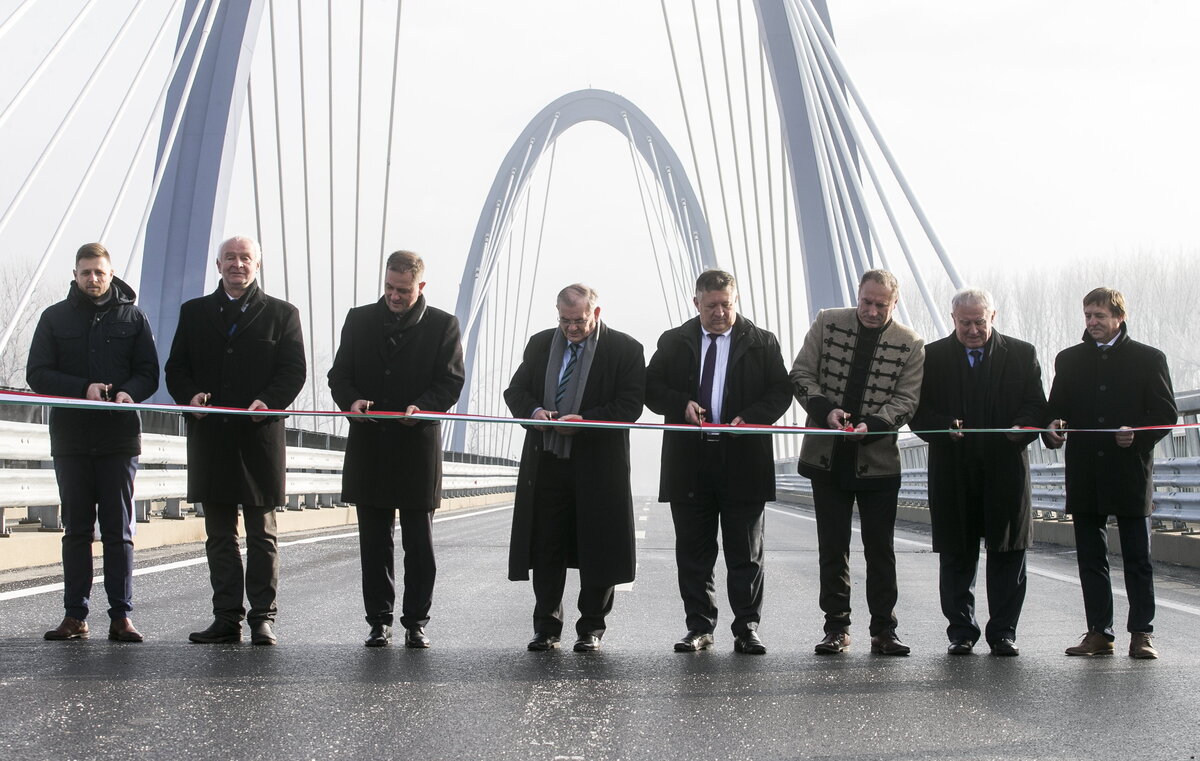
x=573, y=506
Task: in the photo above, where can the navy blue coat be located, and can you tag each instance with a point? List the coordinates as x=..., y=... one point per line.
x=77, y=344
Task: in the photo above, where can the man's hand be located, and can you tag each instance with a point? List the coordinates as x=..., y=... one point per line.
x=258, y=404
x=737, y=421
x=569, y=431
x=199, y=400
x=1124, y=437
x=1052, y=438
x=98, y=392
x=362, y=407
x=693, y=413
x=410, y=409
x=542, y=414
x=837, y=419
x=860, y=431
x=1016, y=435
x=123, y=398
x=956, y=433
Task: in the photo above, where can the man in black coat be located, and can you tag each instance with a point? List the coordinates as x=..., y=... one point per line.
x=718, y=368
x=979, y=482
x=573, y=506
x=396, y=355
x=238, y=347
x=1111, y=383
x=95, y=345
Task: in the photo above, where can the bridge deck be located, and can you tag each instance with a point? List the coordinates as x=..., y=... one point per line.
x=478, y=694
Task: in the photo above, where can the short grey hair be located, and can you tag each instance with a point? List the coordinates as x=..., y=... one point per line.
x=971, y=296
x=577, y=292
x=257, y=249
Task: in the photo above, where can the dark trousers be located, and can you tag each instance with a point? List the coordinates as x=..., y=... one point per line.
x=553, y=545
x=377, y=550
x=260, y=579
x=877, y=519
x=92, y=488
x=1005, y=578
x=741, y=524
x=1091, y=550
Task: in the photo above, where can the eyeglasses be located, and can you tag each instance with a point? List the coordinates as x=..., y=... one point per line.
x=573, y=323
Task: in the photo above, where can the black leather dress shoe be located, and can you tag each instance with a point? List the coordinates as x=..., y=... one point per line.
x=218, y=632
x=261, y=634
x=414, y=637
x=694, y=641
x=960, y=647
x=542, y=642
x=748, y=643
x=887, y=643
x=834, y=643
x=380, y=636
x=587, y=643
x=1005, y=648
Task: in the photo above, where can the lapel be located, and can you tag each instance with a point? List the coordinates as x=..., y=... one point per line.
x=741, y=340
x=999, y=360
x=218, y=299
x=596, y=371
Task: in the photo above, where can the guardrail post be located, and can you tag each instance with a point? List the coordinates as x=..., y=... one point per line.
x=141, y=510
x=3, y=524
x=312, y=501
x=48, y=516
x=172, y=510
x=293, y=502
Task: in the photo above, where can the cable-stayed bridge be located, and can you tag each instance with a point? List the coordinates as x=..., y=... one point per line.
x=156, y=123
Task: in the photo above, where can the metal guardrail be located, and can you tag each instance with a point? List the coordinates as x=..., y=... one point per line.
x=314, y=476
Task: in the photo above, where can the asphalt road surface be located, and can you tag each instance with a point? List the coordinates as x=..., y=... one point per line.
x=478, y=694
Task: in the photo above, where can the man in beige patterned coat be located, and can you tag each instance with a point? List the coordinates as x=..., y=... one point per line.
x=860, y=371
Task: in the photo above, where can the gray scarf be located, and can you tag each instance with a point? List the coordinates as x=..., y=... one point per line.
x=552, y=440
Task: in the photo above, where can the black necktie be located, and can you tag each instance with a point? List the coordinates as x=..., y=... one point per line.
x=976, y=357
x=568, y=371
x=706, y=378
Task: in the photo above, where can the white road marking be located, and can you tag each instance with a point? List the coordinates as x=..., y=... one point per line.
x=45, y=588
x=1189, y=609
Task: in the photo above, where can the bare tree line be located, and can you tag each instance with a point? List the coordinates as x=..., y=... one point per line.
x=1044, y=304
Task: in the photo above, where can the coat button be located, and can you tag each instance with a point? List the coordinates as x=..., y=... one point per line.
x=1099, y=420
x=1100, y=454
x=1103, y=387
x=229, y=351
x=387, y=372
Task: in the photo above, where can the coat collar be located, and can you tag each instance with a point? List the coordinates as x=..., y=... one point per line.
x=255, y=303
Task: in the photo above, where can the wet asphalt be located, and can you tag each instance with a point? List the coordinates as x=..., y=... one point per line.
x=478, y=694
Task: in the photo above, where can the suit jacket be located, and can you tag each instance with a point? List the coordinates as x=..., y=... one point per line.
x=1128, y=384
x=756, y=389
x=231, y=458
x=77, y=344
x=615, y=390
x=1012, y=395
x=389, y=463
x=819, y=377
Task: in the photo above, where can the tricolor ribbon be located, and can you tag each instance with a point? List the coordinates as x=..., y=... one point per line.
x=27, y=399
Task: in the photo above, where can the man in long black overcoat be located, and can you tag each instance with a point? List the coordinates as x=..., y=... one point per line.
x=573, y=506
x=396, y=355
x=979, y=482
x=1110, y=382
x=718, y=367
x=238, y=347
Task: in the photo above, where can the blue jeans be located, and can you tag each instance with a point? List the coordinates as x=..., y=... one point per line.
x=92, y=487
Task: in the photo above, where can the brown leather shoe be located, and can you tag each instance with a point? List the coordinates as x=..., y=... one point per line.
x=70, y=628
x=121, y=630
x=887, y=643
x=834, y=643
x=1140, y=645
x=1093, y=643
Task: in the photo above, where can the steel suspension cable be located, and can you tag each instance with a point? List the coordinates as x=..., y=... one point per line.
x=754, y=181
x=637, y=176
x=14, y=17
x=768, y=163
x=387, y=172
x=737, y=163
x=45, y=62
x=283, y=234
x=68, y=118
x=358, y=147
x=332, y=216
x=312, y=334
x=712, y=129
x=27, y=296
x=254, y=168
x=691, y=246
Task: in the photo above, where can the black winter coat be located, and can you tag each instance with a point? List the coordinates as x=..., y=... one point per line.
x=77, y=344
x=231, y=458
x=1013, y=396
x=615, y=390
x=1128, y=384
x=389, y=464
x=756, y=388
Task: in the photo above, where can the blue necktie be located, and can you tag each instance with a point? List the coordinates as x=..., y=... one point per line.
x=706, y=378
x=568, y=371
x=976, y=356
